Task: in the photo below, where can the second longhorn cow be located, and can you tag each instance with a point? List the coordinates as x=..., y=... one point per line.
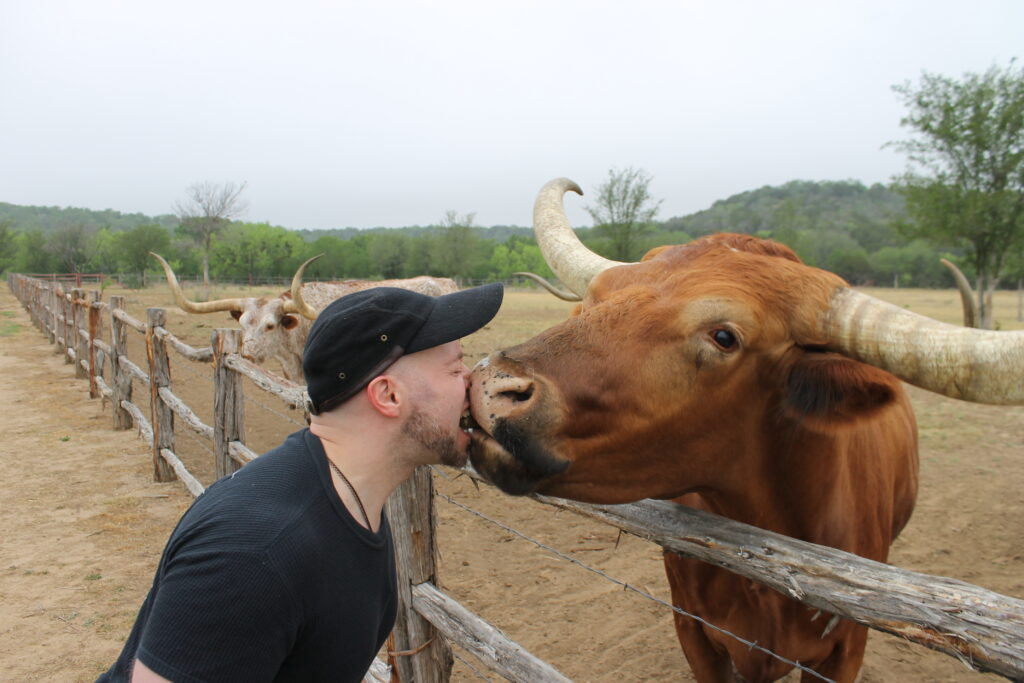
x=276, y=327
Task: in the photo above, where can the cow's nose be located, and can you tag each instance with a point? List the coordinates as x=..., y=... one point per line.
x=511, y=390
x=496, y=393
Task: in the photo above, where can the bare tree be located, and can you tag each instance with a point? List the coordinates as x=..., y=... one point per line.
x=207, y=209
x=623, y=211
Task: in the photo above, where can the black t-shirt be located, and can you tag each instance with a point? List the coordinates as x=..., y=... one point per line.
x=267, y=577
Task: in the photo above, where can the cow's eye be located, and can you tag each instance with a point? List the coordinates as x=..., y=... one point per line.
x=270, y=326
x=724, y=339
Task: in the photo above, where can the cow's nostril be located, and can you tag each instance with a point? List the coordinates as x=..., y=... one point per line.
x=518, y=396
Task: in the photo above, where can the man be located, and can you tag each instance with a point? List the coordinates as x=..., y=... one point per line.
x=284, y=571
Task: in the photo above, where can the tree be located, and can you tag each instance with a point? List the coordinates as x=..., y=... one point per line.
x=8, y=244
x=623, y=211
x=457, y=248
x=965, y=184
x=252, y=250
x=136, y=245
x=207, y=209
x=103, y=251
x=389, y=253
x=68, y=245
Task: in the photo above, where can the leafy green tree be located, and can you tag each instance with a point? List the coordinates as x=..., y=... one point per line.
x=389, y=252
x=103, y=251
x=136, y=245
x=8, y=244
x=252, y=250
x=68, y=246
x=623, y=212
x=457, y=248
x=965, y=186
x=850, y=263
x=207, y=209
x=32, y=256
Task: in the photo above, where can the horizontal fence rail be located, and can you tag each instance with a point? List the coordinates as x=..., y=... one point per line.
x=983, y=629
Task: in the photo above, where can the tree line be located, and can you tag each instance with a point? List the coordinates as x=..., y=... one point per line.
x=843, y=226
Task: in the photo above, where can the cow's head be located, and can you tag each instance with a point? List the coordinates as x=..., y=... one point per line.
x=266, y=322
x=266, y=326
x=697, y=352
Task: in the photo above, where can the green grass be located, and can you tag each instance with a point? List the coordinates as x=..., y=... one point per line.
x=8, y=328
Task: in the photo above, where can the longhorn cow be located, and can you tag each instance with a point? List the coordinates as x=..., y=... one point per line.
x=726, y=375
x=276, y=327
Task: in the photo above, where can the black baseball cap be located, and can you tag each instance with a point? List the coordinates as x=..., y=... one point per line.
x=358, y=336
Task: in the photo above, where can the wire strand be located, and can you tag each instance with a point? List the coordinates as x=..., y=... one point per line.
x=626, y=586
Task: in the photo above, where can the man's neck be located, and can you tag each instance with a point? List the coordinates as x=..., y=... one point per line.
x=366, y=461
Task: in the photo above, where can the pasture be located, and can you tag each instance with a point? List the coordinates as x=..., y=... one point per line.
x=966, y=525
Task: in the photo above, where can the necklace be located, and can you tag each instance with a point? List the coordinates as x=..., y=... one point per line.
x=351, y=488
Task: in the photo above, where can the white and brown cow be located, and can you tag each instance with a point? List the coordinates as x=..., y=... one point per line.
x=276, y=327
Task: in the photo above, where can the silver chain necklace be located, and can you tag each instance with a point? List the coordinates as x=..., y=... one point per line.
x=351, y=488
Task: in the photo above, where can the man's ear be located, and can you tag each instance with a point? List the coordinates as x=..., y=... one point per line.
x=385, y=395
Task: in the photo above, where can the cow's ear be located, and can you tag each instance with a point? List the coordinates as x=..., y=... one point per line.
x=236, y=314
x=289, y=321
x=829, y=387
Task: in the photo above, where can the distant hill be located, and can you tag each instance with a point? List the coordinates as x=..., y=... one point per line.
x=496, y=233
x=48, y=219
x=869, y=215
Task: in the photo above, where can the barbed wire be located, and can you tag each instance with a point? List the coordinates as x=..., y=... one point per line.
x=471, y=667
x=195, y=437
x=626, y=586
x=275, y=412
x=186, y=367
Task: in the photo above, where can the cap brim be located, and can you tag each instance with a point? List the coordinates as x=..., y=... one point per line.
x=457, y=315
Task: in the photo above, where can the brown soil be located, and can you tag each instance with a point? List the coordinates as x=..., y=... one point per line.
x=84, y=526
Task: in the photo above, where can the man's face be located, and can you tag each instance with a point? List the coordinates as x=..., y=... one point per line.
x=438, y=379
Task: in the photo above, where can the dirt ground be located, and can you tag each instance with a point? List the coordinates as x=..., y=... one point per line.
x=83, y=526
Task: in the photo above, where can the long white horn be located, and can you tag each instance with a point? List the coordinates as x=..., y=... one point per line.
x=196, y=306
x=297, y=303
x=982, y=366
x=573, y=263
x=967, y=302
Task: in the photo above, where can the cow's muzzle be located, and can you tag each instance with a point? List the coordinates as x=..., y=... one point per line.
x=511, y=436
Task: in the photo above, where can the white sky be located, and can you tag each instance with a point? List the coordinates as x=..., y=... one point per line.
x=390, y=113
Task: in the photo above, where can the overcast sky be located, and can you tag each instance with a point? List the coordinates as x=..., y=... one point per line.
x=391, y=113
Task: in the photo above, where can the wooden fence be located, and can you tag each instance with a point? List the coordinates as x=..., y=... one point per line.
x=983, y=629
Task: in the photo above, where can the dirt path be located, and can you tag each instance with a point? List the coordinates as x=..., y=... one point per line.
x=83, y=525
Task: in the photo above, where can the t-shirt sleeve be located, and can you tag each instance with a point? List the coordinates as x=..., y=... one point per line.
x=219, y=617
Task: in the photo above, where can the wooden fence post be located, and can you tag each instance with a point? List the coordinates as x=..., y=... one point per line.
x=58, y=311
x=94, y=326
x=120, y=380
x=161, y=415
x=51, y=314
x=81, y=343
x=71, y=331
x=228, y=400
x=410, y=511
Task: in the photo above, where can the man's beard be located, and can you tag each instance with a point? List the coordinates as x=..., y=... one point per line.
x=429, y=435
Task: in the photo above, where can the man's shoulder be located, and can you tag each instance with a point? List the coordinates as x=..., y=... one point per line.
x=247, y=510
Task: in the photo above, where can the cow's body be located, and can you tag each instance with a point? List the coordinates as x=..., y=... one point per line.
x=268, y=331
x=693, y=376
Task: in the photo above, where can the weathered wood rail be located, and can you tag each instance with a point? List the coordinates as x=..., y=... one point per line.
x=983, y=629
